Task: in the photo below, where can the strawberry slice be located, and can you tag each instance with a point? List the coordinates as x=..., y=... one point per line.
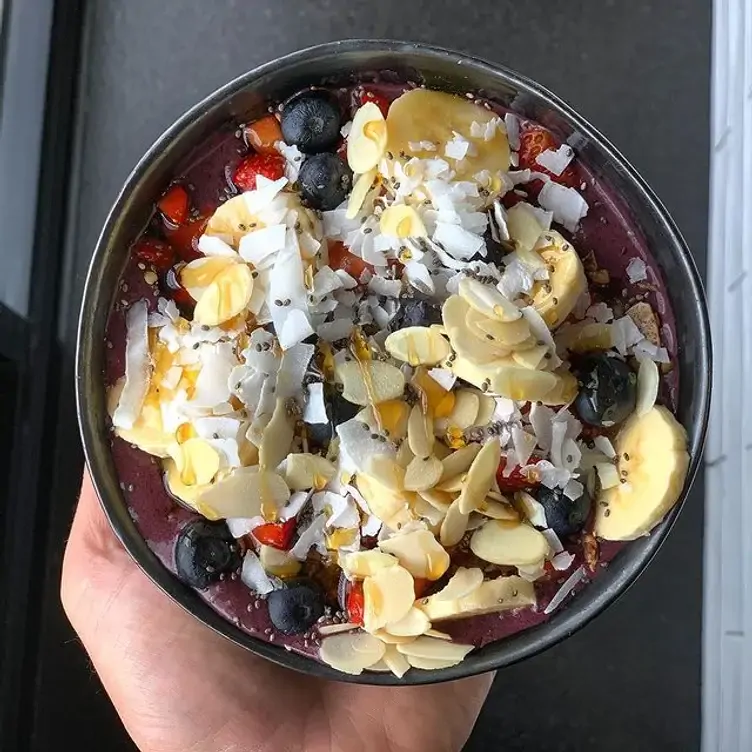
x=534, y=140
x=155, y=252
x=341, y=258
x=184, y=239
x=271, y=166
x=174, y=205
x=276, y=534
x=379, y=100
x=515, y=481
x=263, y=134
x=355, y=603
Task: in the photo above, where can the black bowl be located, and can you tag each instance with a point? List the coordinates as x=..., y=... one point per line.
x=342, y=63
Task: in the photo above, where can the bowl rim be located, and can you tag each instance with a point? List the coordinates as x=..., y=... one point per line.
x=526, y=643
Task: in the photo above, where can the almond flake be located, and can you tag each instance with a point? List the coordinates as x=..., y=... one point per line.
x=352, y=653
x=454, y=525
x=417, y=345
x=459, y=461
x=420, y=435
x=480, y=476
x=387, y=597
x=371, y=382
x=362, y=564
x=414, y=624
x=396, y=662
x=509, y=544
x=433, y=649
x=422, y=473
x=648, y=382
x=463, y=582
x=419, y=553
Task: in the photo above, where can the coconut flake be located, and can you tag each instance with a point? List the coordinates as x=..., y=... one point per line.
x=512, y=124
x=600, y=312
x=524, y=444
x=293, y=507
x=567, y=204
x=212, y=245
x=457, y=241
x=646, y=349
x=292, y=370
x=293, y=159
x=608, y=474
x=569, y=585
x=574, y=489
x=315, y=409
x=312, y=536
x=556, y=160
x=137, y=367
x=390, y=288
x=443, y=377
x=240, y=526
x=458, y=148
x=332, y=331
x=254, y=576
x=637, y=270
x=541, y=419
x=266, y=191
x=542, y=333
x=562, y=561
x=419, y=277
x=533, y=509
x=625, y=334
x=553, y=540
x=212, y=384
x=343, y=513
x=603, y=444
x=550, y=475
x=357, y=445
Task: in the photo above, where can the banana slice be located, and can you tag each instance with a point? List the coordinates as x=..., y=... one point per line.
x=366, y=143
x=585, y=337
x=222, y=287
x=389, y=506
x=556, y=297
x=434, y=116
x=232, y=220
x=653, y=463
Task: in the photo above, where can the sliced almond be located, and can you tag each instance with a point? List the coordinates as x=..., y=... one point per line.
x=379, y=667
x=429, y=664
x=414, y=624
x=418, y=345
x=428, y=512
x=393, y=415
x=352, y=653
x=459, y=461
x=362, y=564
x=390, y=639
x=480, y=476
x=196, y=460
x=454, y=525
x=387, y=471
x=304, y=471
x=371, y=382
x=419, y=553
x=487, y=300
x=396, y=662
x=244, y=493
x=534, y=357
x=497, y=511
x=420, y=432
x=433, y=649
x=389, y=506
x=277, y=436
x=439, y=635
x=466, y=406
x=564, y=391
x=422, y=473
x=279, y=563
x=437, y=499
x=402, y=221
x=501, y=594
x=404, y=455
x=367, y=140
x=441, y=450
x=463, y=582
x=452, y=485
x=387, y=597
x=509, y=544
x=362, y=186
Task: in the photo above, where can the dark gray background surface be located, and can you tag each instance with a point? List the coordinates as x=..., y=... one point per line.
x=640, y=72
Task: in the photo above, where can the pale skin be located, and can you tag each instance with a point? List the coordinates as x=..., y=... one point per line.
x=178, y=687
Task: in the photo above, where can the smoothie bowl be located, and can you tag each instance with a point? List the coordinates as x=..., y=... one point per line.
x=380, y=374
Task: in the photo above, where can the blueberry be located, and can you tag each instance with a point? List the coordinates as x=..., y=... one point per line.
x=297, y=607
x=324, y=181
x=415, y=312
x=608, y=390
x=311, y=121
x=563, y=515
x=204, y=551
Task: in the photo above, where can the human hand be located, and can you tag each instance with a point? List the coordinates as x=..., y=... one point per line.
x=179, y=686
